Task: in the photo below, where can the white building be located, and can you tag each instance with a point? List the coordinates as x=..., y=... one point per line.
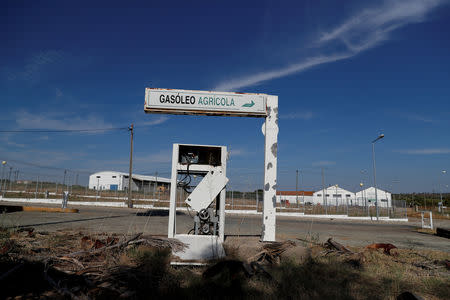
x=111, y=180
x=334, y=196
x=290, y=197
x=384, y=198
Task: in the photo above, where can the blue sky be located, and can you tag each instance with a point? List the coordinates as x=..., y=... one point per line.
x=343, y=74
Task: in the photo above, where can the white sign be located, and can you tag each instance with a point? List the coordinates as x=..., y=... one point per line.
x=204, y=103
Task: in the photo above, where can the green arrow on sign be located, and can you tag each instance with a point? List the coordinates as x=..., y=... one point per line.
x=249, y=104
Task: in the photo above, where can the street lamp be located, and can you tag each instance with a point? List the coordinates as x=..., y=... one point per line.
x=361, y=185
x=375, y=173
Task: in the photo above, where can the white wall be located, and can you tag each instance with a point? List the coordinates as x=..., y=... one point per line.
x=104, y=180
x=384, y=198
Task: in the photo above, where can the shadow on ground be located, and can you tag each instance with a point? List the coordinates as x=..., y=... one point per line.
x=10, y=208
x=152, y=277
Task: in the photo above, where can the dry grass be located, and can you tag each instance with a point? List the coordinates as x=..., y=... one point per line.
x=142, y=272
x=436, y=215
x=420, y=271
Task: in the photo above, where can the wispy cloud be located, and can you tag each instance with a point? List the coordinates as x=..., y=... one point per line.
x=268, y=75
x=323, y=163
x=58, y=93
x=237, y=152
x=161, y=157
x=152, y=121
x=306, y=115
x=43, y=157
x=59, y=121
x=421, y=118
x=32, y=69
x=140, y=162
x=55, y=120
x=426, y=151
x=365, y=30
x=7, y=139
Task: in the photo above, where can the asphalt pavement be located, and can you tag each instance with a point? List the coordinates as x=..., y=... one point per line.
x=128, y=221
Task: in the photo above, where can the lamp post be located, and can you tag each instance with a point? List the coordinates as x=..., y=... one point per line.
x=98, y=184
x=361, y=184
x=375, y=173
x=9, y=179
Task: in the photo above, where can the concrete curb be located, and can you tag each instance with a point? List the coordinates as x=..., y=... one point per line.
x=236, y=212
x=49, y=209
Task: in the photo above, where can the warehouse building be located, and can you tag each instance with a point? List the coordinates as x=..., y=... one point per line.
x=368, y=195
x=118, y=181
x=334, y=196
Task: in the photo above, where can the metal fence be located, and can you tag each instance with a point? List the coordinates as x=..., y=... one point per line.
x=253, y=201
x=38, y=184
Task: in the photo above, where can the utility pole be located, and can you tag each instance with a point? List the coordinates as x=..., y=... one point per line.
x=296, y=188
x=232, y=199
x=64, y=179
x=130, y=203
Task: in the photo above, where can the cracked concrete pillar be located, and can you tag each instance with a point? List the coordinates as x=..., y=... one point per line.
x=270, y=130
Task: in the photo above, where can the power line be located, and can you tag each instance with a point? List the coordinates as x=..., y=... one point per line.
x=62, y=130
x=19, y=162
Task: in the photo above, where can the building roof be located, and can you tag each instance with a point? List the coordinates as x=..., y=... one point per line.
x=149, y=178
x=137, y=176
x=294, y=193
x=333, y=189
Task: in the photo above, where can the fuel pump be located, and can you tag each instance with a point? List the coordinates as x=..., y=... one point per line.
x=199, y=171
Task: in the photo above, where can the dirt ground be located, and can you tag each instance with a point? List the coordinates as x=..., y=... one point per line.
x=64, y=264
x=154, y=222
